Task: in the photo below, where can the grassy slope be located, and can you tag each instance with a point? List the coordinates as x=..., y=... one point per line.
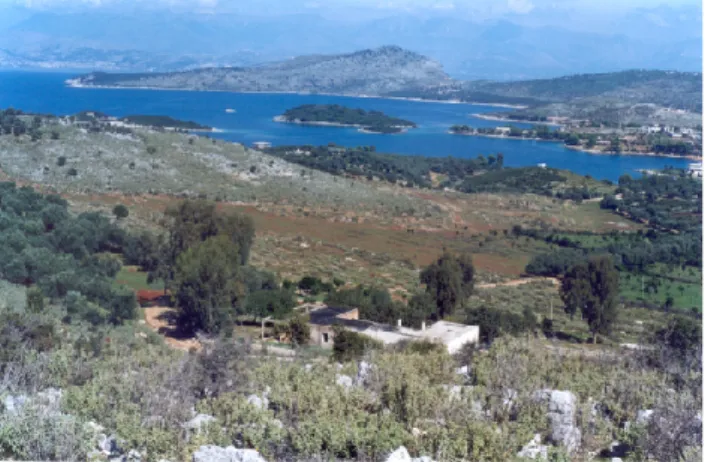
x=311, y=224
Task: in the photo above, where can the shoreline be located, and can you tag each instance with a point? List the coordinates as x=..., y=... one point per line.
x=503, y=137
x=360, y=128
x=72, y=83
x=633, y=153
x=505, y=119
x=581, y=149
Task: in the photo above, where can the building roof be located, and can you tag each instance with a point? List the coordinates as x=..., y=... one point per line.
x=328, y=315
x=443, y=330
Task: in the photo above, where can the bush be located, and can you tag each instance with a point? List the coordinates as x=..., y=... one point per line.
x=35, y=300
x=547, y=327
x=314, y=285
x=72, y=172
x=61, y=161
x=350, y=346
x=494, y=323
x=120, y=211
x=37, y=433
x=299, y=331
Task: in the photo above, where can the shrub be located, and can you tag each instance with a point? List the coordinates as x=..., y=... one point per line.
x=349, y=346
x=72, y=172
x=35, y=300
x=37, y=433
x=299, y=331
x=54, y=135
x=61, y=161
x=120, y=211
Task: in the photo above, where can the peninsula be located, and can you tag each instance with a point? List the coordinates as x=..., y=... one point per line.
x=341, y=116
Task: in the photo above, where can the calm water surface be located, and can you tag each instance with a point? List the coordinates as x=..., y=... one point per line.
x=252, y=121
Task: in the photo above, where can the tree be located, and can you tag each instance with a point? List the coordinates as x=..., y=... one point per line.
x=449, y=281
x=299, y=331
x=601, y=309
x=468, y=270
x=593, y=288
x=207, y=288
x=680, y=339
x=572, y=140
x=120, y=211
x=615, y=146
x=489, y=321
x=421, y=307
x=192, y=222
x=575, y=289
x=35, y=300
x=270, y=303
x=625, y=179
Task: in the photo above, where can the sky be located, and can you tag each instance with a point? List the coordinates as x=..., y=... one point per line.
x=455, y=7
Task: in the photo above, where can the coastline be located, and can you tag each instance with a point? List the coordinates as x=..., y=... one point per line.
x=505, y=119
x=595, y=152
x=504, y=137
x=360, y=128
x=72, y=83
x=633, y=153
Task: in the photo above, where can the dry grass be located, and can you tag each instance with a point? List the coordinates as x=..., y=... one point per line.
x=359, y=231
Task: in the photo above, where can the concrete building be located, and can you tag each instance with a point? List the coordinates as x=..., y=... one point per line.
x=695, y=169
x=261, y=144
x=450, y=334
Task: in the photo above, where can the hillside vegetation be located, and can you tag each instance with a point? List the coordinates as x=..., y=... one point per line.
x=575, y=366
x=479, y=175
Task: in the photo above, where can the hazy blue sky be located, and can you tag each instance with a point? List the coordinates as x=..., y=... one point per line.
x=485, y=7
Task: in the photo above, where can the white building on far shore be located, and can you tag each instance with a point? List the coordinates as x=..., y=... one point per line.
x=696, y=169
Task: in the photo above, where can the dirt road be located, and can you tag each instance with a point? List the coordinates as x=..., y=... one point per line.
x=518, y=282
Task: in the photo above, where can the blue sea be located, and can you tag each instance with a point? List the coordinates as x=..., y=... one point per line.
x=45, y=92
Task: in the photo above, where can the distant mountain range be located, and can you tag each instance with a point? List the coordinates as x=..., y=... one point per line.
x=665, y=38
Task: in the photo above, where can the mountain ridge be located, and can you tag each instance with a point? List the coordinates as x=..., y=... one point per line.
x=392, y=71
x=371, y=71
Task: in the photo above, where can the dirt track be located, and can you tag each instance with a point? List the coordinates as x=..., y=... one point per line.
x=518, y=282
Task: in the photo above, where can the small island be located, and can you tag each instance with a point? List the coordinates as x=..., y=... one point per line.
x=341, y=116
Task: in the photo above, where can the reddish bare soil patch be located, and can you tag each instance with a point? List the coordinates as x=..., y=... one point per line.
x=161, y=320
